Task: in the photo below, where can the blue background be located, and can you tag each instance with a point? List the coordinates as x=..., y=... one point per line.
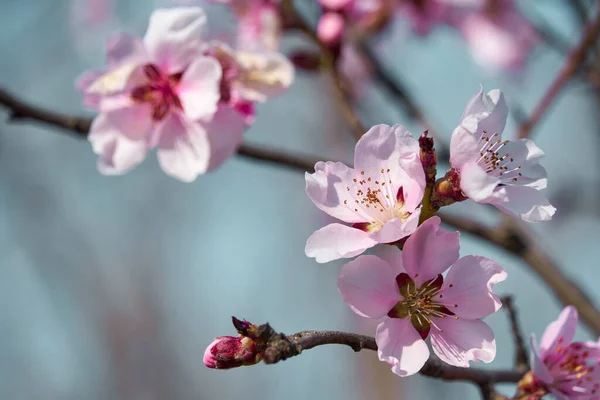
x=111, y=287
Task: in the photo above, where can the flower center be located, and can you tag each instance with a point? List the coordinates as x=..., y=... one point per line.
x=419, y=304
x=375, y=200
x=573, y=363
x=159, y=92
x=494, y=160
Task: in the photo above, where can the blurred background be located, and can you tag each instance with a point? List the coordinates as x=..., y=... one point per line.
x=112, y=287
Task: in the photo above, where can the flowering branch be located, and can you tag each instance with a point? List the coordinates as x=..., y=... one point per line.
x=572, y=65
x=79, y=127
x=509, y=236
x=274, y=347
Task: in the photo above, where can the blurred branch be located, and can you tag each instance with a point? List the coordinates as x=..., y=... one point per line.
x=278, y=347
x=21, y=112
x=294, y=20
x=515, y=239
x=574, y=61
x=521, y=356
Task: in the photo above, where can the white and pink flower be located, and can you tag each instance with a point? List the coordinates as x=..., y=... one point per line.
x=167, y=91
x=379, y=197
x=407, y=288
x=569, y=370
x=504, y=173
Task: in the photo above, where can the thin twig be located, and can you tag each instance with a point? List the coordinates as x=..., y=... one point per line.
x=521, y=355
x=573, y=63
x=512, y=237
x=433, y=368
x=79, y=127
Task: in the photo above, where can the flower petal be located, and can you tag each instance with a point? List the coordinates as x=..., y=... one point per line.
x=267, y=75
x=559, y=332
x=83, y=82
x=393, y=256
x=337, y=241
x=401, y=346
x=476, y=183
x=119, y=138
x=484, y=112
x=489, y=109
x=472, y=278
x=198, y=89
x=184, y=149
x=225, y=134
x=384, y=147
x=123, y=48
x=538, y=367
x=397, y=229
x=527, y=155
x=368, y=286
x=429, y=251
x=174, y=37
x=462, y=340
x=327, y=188
x=525, y=202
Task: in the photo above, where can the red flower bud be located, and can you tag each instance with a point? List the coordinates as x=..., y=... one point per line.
x=231, y=352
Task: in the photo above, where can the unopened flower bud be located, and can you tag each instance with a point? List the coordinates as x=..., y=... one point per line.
x=331, y=28
x=231, y=352
x=428, y=157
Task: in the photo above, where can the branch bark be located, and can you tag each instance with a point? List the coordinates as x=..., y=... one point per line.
x=80, y=126
x=433, y=368
x=572, y=65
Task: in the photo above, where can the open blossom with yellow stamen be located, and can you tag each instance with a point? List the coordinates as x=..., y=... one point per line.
x=379, y=197
x=570, y=370
x=504, y=173
x=409, y=289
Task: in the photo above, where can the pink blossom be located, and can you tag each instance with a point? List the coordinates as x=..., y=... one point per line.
x=259, y=22
x=250, y=77
x=499, y=36
x=570, y=370
x=504, y=173
x=161, y=92
x=408, y=290
x=380, y=196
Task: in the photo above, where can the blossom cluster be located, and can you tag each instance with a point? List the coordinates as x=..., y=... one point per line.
x=191, y=98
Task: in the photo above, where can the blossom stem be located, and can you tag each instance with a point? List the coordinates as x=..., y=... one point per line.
x=521, y=356
x=79, y=127
x=572, y=65
x=279, y=347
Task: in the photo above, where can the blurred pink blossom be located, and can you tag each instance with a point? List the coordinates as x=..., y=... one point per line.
x=499, y=36
x=504, y=173
x=380, y=196
x=570, y=370
x=162, y=92
x=259, y=23
x=408, y=290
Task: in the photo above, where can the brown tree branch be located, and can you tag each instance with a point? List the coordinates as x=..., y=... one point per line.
x=278, y=347
x=521, y=354
x=79, y=127
x=572, y=65
x=514, y=238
